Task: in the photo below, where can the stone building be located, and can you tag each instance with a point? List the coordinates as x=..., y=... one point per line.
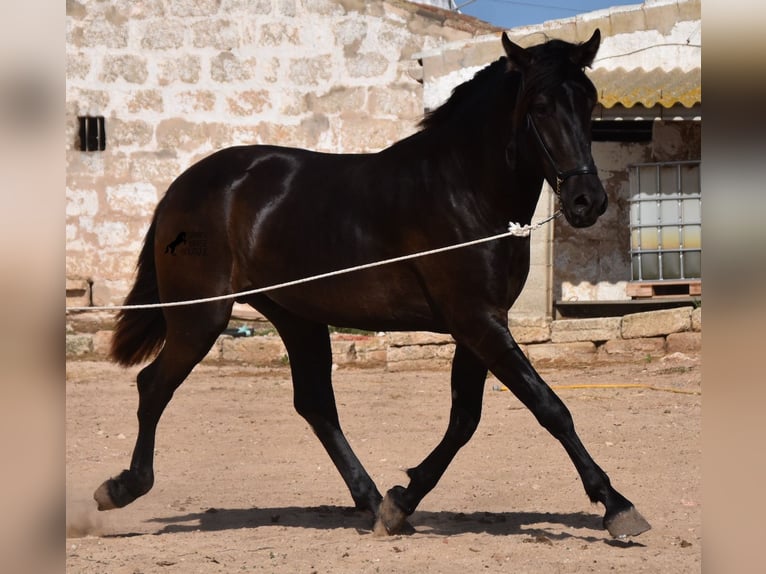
x=158, y=84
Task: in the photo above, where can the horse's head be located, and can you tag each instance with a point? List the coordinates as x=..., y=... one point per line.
x=553, y=114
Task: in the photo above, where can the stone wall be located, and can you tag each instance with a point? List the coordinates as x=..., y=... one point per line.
x=638, y=336
x=176, y=80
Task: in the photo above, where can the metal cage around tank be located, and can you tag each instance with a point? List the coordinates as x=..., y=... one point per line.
x=665, y=221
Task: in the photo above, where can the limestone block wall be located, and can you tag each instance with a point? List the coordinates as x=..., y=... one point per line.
x=634, y=337
x=176, y=80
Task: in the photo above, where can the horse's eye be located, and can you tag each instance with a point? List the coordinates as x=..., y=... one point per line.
x=540, y=108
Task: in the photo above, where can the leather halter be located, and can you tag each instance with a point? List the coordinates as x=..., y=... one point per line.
x=561, y=176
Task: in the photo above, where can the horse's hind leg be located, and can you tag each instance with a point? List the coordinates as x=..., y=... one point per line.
x=308, y=347
x=190, y=334
x=468, y=376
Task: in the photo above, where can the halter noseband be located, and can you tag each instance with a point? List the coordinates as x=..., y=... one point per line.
x=561, y=176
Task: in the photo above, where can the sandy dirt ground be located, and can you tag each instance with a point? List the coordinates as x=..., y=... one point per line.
x=243, y=485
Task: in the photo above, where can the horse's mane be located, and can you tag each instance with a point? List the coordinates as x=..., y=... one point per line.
x=551, y=67
x=465, y=92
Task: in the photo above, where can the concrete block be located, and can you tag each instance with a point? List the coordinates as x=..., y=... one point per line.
x=249, y=102
x=145, y=101
x=595, y=329
x=407, y=338
x=226, y=68
x=689, y=10
x=366, y=65
x=529, y=329
x=179, y=134
x=561, y=353
x=185, y=68
x=162, y=35
x=689, y=342
x=254, y=350
x=373, y=357
x=399, y=101
x=77, y=293
x=132, y=69
x=359, y=350
x=420, y=352
x=662, y=18
x=310, y=71
x=628, y=22
x=343, y=352
x=215, y=354
x=631, y=349
x=697, y=319
x=90, y=322
x=99, y=33
x=102, y=341
x=525, y=334
x=184, y=8
x=217, y=34
x=337, y=100
x=654, y=323
x=79, y=345
x=426, y=364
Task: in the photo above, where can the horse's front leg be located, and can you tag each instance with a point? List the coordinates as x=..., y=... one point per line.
x=468, y=376
x=489, y=343
x=507, y=361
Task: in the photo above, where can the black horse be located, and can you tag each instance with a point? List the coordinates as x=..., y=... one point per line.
x=274, y=214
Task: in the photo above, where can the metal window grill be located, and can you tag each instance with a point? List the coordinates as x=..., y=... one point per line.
x=92, y=133
x=666, y=221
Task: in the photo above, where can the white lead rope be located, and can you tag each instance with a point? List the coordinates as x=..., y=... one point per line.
x=514, y=229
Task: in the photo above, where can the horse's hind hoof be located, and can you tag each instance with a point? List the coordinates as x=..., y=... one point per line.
x=391, y=519
x=626, y=523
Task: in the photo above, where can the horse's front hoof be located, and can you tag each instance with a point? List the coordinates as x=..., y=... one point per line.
x=122, y=490
x=626, y=523
x=103, y=498
x=391, y=518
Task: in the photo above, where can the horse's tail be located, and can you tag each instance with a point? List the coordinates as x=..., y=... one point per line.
x=140, y=333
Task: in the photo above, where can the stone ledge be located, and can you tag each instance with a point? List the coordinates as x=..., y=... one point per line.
x=526, y=330
x=563, y=342
x=656, y=323
x=569, y=353
x=631, y=349
x=684, y=342
x=596, y=330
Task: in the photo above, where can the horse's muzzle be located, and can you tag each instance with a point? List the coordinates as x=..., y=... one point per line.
x=585, y=204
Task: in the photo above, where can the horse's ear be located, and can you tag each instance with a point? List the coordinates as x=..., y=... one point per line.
x=584, y=54
x=518, y=57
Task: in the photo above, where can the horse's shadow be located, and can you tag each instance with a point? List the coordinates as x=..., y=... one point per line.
x=436, y=523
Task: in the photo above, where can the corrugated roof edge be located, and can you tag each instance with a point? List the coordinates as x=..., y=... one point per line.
x=628, y=87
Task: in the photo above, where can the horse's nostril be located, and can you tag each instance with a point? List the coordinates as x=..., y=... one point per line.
x=581, y=203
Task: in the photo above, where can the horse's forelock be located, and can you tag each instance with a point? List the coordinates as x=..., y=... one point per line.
x=551, y=67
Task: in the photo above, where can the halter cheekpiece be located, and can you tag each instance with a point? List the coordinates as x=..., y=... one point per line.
x=561, y=176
